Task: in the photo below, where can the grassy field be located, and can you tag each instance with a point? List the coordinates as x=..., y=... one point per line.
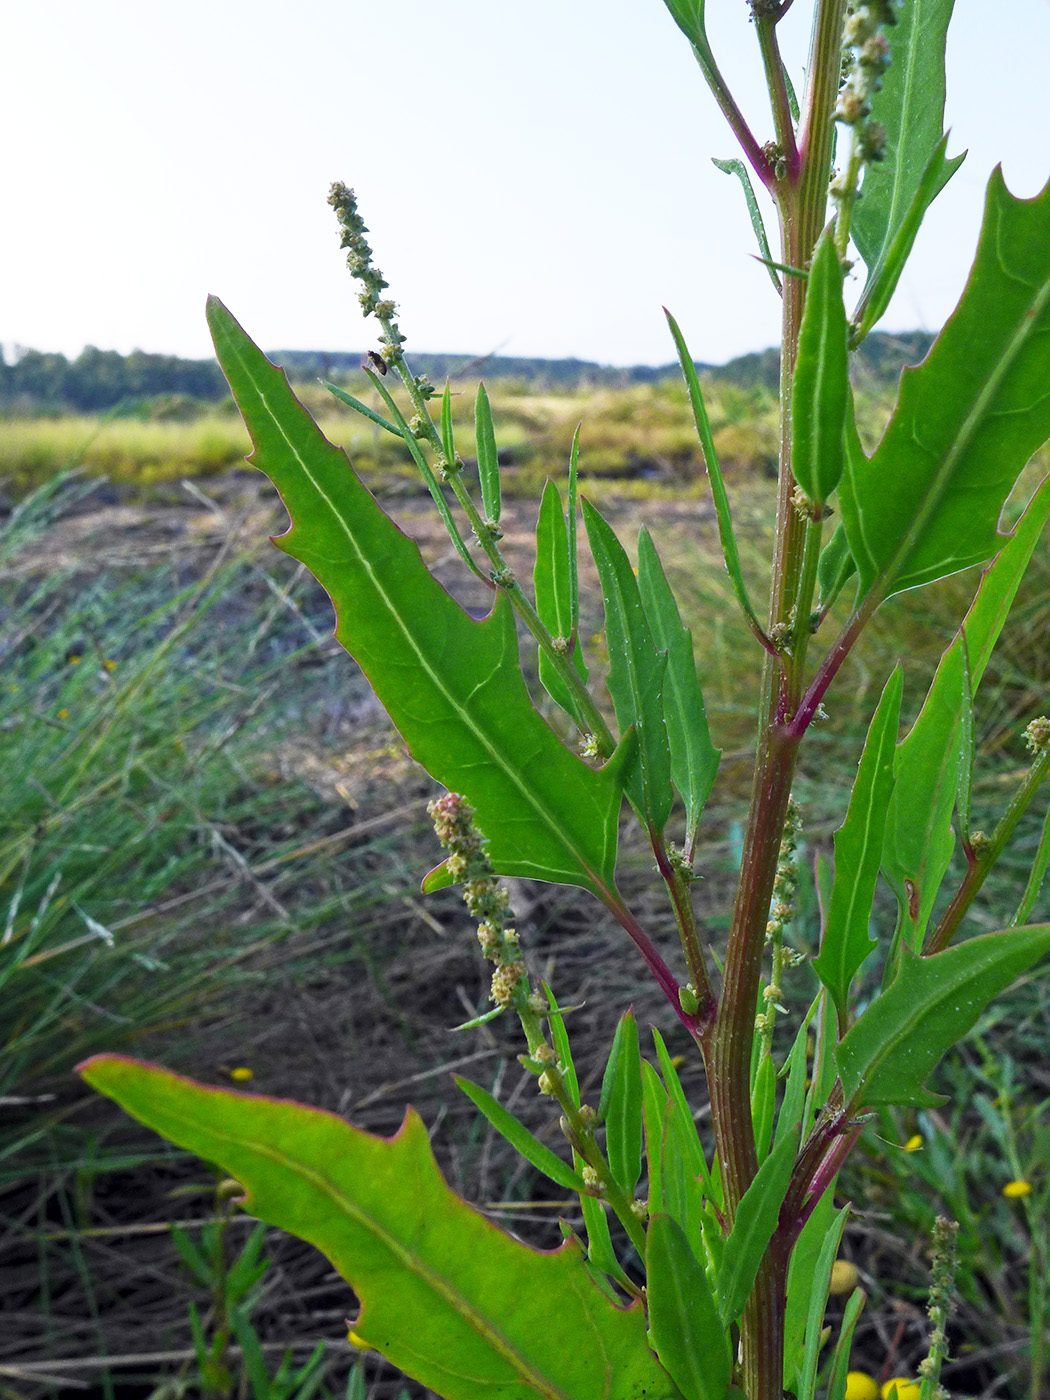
x=210, y=853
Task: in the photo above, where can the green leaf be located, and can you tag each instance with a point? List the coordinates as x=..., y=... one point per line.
x=718, y=489
x=756, y=1219
x=818, y=1301
x=763, y=1102
x=620, y=1106
x=448, y=441
x=910, y=107
x=790, y=1115
x=840, y=1360
x=454, y=1302
x=835, y=567
x=801, y=1272
x=488, y=456
x=820, y=389
x=573, y=511
x=928, y=1008
x=1036, y=875
x=694, y=758
x=362, y=408
x=689, y=16
x=858, y=852
x=560, y=1037
x=674, y=1186
x=690, y=1137
x=891, y=258
x=552, y=584
x=452, y=686
x=739, y=169
x=519, y=1137
x=968, y=418
x=967, y=746
x=919, y=840
x=636, y=671
x=600, y=1252
x=684, y=1326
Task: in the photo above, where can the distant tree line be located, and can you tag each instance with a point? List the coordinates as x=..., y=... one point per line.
x=101, y=379
x=97, y=380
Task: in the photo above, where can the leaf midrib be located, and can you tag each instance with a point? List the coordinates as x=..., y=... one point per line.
x=545, y=815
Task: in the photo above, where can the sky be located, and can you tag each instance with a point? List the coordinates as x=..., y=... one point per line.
x=536, y=178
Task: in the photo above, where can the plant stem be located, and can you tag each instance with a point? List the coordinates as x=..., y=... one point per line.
x=803, y=210
x=685, y=916
x=766, y=26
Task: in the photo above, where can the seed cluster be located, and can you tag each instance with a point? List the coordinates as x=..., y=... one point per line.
x=868, y=52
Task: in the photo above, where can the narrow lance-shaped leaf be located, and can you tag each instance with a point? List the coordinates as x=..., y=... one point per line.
x=684, y=1326
x=730, y=553
x=690, y=1137
x=362, y=408
x=488, y=456
x=519, y=1137
x=892, y=256
x=928, y=502
x=552, y=585
x=919, y=840
x=673, y=1184
x=448, y=440
x=446, y=1296
x=753, y=1226
x=858, y=852
x=967, y=744
x=739, y=169
x=835, y=567
x=694, y=758
x=636, y=671
x=452, y=686
x=818, y=1300
x=910, y=107
x=620, y=1106
x=820, y=388
x=934, y=1001
x=839, y=1378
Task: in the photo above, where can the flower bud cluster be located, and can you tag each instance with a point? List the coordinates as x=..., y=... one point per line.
x=940, y=1304
x=484, y=896
x=868, y=54
x=359, y=261
x=785, y=884
x=1037, y=735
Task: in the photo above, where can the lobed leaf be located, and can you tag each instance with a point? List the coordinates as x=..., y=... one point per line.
x=858, y=852
x=684, y=1325
x=636, y=672
x=694, y=758
x=820, y=387
x=453, y=1301
x=452, y=686
x=928, y=1008
x=968, y=418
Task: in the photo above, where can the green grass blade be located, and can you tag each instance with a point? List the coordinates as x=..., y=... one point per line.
x=452, y=686
x=694, y=758
x=444, y=1294
x=362, y=408
x=756, y=1219
x=910, y=106
x=820, y=389
x=519, y=1137
x=620, y=1106
x=488, y=457
x=636, y=671
x=968, y=418
x=684, y=1324
x=858, y=852
x=714, y=472
x=739, y=169
x=929, y=1007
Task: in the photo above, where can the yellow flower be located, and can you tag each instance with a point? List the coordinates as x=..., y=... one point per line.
x=844, y=1278
x=1014, y=1190
x=861, y=1386
x=74, y=660
x=914, y=1143
x=109, y=665
x=678, y=1061
x=902, y=1387
x=242, y=1074
x=63, y=714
